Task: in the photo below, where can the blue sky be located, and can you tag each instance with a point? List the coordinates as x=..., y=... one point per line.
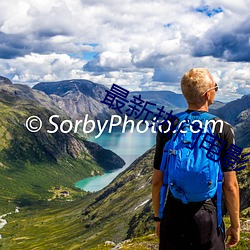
x=139, y=45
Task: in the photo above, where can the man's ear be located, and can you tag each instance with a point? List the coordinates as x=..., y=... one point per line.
x=207, y=95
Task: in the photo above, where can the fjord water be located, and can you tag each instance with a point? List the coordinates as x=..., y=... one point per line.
x=128, y=146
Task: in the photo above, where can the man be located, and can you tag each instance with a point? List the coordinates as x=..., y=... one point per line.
x=194, y=225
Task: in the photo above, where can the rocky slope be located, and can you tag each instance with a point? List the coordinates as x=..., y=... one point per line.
x=4, y=80
x=232, y=110
x=242, y=129
x=237, y=114
x=78, y=98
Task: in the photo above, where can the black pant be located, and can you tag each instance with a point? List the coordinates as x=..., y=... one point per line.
x=192, y=226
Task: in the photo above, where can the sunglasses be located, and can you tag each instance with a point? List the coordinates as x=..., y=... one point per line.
x=216, y=87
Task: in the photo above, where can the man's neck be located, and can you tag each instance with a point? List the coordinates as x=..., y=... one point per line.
x=203, y=107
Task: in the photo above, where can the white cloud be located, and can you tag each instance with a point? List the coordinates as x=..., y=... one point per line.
x=35, y=68
x=141, y=44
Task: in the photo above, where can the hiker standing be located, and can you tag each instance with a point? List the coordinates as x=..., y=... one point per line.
x=193, y=178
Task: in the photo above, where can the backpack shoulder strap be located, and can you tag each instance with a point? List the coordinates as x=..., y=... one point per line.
x=208, y=116
x=181, y=116
x=219, y=200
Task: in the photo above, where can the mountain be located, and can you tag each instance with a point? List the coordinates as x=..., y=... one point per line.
x=32, y=163
x=237, y=113
x=232, y=110
x=78, y=97
x=4, y=80
x=216, y=105
x=168, y=99
x=242, y=129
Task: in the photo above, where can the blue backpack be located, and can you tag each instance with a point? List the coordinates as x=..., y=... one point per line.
x=187, y=171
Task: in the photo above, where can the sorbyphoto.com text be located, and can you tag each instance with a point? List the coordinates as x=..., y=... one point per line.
x=124, y=124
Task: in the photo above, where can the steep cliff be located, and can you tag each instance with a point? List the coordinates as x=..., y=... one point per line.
x=78, y=98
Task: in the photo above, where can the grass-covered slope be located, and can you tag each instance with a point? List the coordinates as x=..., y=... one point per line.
x=243, y=177
x=52, y=225
x=121, y=211
x=86, y=222
x=32, y=163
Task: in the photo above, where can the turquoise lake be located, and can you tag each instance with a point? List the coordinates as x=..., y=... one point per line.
x=129, y=146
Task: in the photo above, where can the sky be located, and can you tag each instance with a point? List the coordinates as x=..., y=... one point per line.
x=139, y=45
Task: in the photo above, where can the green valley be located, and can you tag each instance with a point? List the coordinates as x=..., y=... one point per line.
x=123, y=210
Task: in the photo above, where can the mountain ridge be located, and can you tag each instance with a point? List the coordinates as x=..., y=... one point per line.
x=78, y=97
x=237, y=113
x=230, y=111
x=4, y=80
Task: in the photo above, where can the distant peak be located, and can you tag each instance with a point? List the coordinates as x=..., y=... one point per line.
x=4, y=80
x=62, y=88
